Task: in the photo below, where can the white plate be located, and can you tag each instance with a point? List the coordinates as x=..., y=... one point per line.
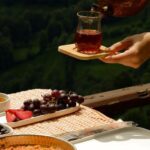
x=131, y=138
x=39, y=118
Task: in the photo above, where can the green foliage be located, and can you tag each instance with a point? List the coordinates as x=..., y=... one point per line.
x=20, y=31
x=54, y=29
x=37, y=20
x=43, y=41
x=6, y=57
x=124, y=79
x=41, y=28
x=140, y=115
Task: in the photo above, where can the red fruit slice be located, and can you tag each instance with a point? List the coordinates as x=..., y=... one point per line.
x=13, y=111
x=10, y=117
x=21, y=114
x=17, y=114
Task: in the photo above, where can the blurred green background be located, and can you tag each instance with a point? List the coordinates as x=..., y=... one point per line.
x=32, y=30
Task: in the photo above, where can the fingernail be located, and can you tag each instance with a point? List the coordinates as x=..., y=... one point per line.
x=111, y=47
x=108, y=57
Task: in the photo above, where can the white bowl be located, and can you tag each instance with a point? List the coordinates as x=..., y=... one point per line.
x=8, y=128
x=5, y=104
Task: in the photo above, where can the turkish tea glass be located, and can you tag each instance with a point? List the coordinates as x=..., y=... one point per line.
x=88, y=37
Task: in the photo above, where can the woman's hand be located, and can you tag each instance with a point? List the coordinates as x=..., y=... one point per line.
x=136, y=50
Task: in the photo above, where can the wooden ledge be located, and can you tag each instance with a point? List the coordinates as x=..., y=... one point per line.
x=134, y=93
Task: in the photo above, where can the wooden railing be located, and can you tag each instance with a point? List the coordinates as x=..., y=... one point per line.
x=115, y=101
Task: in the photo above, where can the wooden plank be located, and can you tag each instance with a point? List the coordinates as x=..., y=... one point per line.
x=120, y=108
x=71, y=51
x=118, y=96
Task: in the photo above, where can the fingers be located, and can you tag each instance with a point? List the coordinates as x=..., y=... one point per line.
x=133, y=54
x=118, y=58
x=122, y=45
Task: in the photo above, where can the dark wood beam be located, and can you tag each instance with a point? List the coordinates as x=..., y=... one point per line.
x=120, y=98
x=120, y=108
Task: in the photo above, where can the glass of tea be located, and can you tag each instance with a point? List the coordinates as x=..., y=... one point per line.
x=88, y=37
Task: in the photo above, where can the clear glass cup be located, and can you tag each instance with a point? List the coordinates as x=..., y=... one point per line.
x=88, y=37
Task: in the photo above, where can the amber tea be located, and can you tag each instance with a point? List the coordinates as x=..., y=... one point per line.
x=88, y=37
x=88, y=41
